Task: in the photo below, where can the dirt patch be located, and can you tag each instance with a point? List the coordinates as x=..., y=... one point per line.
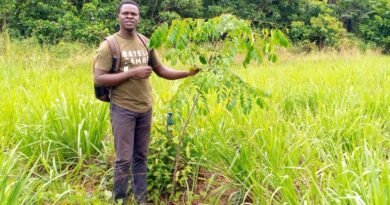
x=210, y=188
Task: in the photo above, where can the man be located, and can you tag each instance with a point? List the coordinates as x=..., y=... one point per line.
x=131, y=100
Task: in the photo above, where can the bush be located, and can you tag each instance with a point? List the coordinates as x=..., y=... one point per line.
x=213, y=11
x=46, y=31
x=376, y=29
x=304, y=47
x=324, y=30
x=298, y=32
x=168, y=16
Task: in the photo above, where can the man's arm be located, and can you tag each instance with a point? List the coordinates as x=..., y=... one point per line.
x=106, y=79
x=170, y=74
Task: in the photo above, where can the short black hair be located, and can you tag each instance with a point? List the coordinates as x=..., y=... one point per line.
x=126, y=2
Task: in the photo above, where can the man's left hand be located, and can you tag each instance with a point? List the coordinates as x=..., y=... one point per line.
x=193, y=70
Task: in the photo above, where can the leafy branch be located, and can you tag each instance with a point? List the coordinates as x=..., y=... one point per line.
x=217, y=40
x=214, y=43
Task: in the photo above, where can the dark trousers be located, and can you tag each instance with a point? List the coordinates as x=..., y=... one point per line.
x=131, y=135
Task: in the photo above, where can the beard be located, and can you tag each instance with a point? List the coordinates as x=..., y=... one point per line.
x=130, y=29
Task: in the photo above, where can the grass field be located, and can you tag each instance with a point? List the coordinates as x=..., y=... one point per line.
x=321, y=136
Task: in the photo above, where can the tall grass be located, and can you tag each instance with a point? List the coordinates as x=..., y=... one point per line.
x=47, y=102
x=15, y=183
x=47, y=106
x=322, y=136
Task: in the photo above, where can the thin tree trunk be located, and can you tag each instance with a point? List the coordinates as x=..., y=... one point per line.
x=154, y=8
x=4, y=23
x=179, y=145
x=4, y=34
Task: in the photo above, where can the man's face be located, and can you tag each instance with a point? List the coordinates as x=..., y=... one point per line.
x=128, y=17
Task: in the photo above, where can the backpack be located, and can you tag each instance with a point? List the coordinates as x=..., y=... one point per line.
x=104, y=93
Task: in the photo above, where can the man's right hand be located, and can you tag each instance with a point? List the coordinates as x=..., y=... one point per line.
x=141, y=72
x=105, y=79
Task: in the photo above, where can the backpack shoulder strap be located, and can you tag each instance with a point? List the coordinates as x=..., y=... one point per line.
x=145, y=41
x=115, y=52
x=116, y=57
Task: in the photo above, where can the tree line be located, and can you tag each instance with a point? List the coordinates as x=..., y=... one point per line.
x=326, y=23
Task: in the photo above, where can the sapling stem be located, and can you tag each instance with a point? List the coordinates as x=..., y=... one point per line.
x=179, y=145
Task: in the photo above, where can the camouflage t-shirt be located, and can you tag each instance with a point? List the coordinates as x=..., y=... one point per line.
x=134, y=94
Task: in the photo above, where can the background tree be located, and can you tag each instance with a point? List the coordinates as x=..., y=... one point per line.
x=89, y=21
x=376, y=28
x=7, y=7
x=352, y=13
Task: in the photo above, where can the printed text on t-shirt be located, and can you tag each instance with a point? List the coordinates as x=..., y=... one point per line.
x=135, y=57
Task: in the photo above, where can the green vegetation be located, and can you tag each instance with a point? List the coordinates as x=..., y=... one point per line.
x=307, y=129
x=321, y=134
x=331, y=23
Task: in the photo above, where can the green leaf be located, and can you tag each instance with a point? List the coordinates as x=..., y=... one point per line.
x=203, y=60
x=231, y=103
x=249, y=56
x=281, y=39
x=154, y=42
x=272, y=57
x=180, y=44
x=158, y=36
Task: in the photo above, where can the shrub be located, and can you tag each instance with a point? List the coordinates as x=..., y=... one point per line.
x=324, y=30
x=376, y=29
